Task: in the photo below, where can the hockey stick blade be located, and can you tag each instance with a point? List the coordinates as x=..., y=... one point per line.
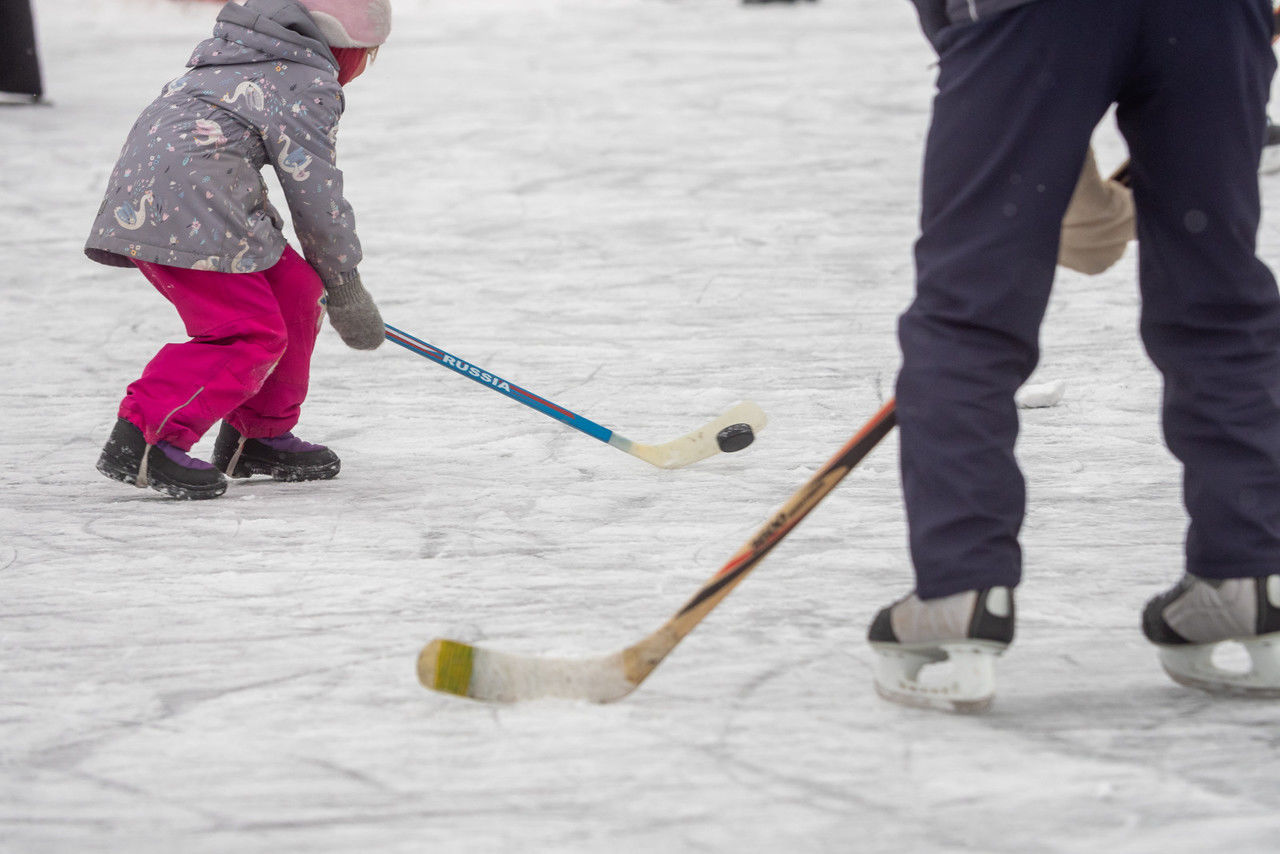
x=458, y=668
x=690, y=448
x=699, y=444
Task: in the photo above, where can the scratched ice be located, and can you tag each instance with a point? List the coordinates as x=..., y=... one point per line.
x=645, y=211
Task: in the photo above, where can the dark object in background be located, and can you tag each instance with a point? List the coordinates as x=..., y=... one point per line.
x=19, y=65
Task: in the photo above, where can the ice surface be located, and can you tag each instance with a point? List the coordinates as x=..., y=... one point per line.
x=647, y=211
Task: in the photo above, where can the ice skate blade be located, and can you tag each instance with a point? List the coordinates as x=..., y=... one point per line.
x=970, y=685
x=1192, y=665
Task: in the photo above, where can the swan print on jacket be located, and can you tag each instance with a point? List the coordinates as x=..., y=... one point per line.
x=208, y=132
x=187, y=189
x=293, y=163
x=238, y=263
x=252, y=94
x=133, y=218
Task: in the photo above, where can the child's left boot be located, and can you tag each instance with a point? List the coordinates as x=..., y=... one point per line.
x=284, y=457
x=163, y=467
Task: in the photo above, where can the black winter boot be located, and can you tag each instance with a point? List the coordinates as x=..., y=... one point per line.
x=127, y=457
x=284, y=457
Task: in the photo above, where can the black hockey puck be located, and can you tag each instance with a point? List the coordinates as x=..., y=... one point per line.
x=735, y=437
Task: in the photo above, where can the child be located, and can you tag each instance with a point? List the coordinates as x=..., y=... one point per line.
x=187, y=206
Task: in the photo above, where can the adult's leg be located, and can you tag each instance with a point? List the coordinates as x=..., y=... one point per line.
x=274, y=410
x=1018, y=98
x=1194, y=114
x=237, y=335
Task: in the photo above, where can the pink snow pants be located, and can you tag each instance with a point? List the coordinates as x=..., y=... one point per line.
x=249, y=357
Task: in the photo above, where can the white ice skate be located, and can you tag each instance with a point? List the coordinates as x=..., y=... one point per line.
x=1189, y=622
x=962, y=634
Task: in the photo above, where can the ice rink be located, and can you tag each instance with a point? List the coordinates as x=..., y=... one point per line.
x=645, y=210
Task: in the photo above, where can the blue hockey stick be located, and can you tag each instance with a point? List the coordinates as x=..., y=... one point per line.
x=732, y=431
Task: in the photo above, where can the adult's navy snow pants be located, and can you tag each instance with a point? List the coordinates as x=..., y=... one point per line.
x=1018, y=97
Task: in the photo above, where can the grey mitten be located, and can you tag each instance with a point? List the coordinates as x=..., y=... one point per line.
x=352, y=312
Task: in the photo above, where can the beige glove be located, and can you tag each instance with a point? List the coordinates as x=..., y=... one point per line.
x=1098, y=223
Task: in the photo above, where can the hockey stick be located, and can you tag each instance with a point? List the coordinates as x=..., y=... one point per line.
x=732, y=431
x=470, y=671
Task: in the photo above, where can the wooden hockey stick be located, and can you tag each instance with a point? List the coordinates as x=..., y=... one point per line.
x=481, y=674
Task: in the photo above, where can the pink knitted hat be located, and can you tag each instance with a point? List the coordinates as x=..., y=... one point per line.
x=352, y=23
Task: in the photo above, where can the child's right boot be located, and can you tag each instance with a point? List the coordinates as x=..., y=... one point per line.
x=161, y=466
x=284, y=457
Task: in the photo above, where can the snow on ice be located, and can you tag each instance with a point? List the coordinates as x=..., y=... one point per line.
x=646, y=210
